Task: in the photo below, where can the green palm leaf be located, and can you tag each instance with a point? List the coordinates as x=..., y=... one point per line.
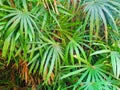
x=115, y=60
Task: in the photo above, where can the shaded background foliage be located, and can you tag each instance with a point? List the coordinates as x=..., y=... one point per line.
x=60, y=44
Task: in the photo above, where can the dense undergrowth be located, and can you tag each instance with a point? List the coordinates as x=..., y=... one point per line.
x=60, y=44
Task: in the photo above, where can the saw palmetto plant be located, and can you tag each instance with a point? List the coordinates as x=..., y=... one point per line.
x=60, y=44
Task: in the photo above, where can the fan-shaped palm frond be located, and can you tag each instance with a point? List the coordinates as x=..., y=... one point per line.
x=74, y=48
x=99, y=10
x=115, y=60
x=90, y=77
x=21, y=25
x=46, y=63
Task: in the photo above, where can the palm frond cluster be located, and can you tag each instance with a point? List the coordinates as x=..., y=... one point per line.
x=60, y=44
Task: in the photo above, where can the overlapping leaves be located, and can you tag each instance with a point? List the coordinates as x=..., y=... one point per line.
x=49, y=34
